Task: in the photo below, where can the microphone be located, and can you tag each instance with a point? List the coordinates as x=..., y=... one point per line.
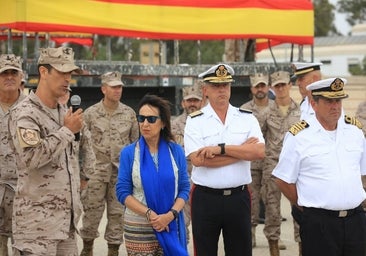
x=75, y=102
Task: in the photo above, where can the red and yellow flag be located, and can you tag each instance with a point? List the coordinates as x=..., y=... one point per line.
x=283, y=20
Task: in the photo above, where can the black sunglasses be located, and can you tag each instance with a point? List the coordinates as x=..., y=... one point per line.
x=150, y=119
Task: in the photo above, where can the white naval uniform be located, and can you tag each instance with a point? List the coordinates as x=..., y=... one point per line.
x=306, y=109
x=208, y=130
x=327, y=172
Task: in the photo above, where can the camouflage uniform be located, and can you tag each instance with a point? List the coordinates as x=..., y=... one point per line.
x=85, y=162
x=274, y=129
x=256, y=167
x=110, y=133
x=8, y=174
x=47, y=203
x=178, y=124
x=361, y=116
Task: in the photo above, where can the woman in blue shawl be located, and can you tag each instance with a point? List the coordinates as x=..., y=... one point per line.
x=153, y=185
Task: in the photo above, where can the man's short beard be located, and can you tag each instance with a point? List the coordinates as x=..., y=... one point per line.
x=191, y=109
x=260, y=95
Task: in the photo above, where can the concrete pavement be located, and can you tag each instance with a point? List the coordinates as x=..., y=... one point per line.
x=100, y=245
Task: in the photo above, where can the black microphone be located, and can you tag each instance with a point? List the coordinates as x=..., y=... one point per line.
x=75, y=102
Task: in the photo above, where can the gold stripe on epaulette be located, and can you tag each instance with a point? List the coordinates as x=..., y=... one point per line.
x=353, y=121
x=196, y=113
x=299, y=126
x=244, y=110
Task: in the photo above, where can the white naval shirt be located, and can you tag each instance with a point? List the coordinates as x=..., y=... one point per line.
x=306, y=109
x=327, y=172
x=208, y=130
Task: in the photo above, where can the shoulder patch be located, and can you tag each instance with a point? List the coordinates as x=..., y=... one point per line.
x=353, y=121
x=245, y=110
x=196, y=113
x=299, y=126
x=28, y=138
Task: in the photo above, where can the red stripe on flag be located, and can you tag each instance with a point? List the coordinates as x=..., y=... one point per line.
x=34, y=27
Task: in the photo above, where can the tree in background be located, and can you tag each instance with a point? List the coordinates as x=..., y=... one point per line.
x=355, y=10
x=324, y=18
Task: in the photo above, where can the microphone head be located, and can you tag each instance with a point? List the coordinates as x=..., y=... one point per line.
x=75, y=100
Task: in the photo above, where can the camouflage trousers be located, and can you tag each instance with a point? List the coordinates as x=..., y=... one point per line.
x=46, y=247
x=97, y=196
x=6, y=210
x=272, y=204
x=257, y=192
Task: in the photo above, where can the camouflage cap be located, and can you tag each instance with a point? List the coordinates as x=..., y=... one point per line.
x=10, y=61
x=61, y=59
x=279, y=77
x=192, y=92
x=258, y=78
x=112, y=78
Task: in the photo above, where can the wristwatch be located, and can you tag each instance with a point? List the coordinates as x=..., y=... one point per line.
x=222, y=146
x=175, y=213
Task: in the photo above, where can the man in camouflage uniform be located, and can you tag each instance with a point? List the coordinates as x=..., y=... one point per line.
x=258, y=105
x=10, y=96
x=277, y=121
x=84, y=154
x=47, y=203
x=191, y=102
x=113, y=125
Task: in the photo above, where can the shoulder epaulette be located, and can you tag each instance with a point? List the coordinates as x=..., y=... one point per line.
x=244, y=110
x=299, y=126
x=196, y=113
x=353, y=120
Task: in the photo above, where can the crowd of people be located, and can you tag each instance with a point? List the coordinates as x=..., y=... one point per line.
x=156, y=175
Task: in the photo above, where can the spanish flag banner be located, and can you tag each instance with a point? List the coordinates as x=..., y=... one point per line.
x=283, y=20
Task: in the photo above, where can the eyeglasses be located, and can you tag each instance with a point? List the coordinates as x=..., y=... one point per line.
x=150, y=119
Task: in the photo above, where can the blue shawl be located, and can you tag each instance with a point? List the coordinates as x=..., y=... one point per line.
x=159, y=189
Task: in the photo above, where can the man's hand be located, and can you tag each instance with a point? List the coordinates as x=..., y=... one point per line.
x=74, y=121
x=209, y=152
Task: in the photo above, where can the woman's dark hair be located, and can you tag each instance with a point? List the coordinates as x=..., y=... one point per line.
x=164, y=108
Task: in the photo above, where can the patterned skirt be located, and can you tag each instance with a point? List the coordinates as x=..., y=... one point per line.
x=140, y=239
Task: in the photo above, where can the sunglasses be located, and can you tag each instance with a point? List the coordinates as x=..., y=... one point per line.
x=150, y=119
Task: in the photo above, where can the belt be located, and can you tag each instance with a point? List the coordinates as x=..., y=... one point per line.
x=339, y=214
x=222, y=191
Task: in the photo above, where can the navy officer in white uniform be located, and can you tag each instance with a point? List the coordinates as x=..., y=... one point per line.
x=320, y=170
x=221, y=140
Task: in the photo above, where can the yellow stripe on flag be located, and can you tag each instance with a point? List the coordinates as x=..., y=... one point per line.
x=95, y=16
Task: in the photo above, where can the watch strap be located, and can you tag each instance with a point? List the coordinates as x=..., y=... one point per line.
x=222, y=146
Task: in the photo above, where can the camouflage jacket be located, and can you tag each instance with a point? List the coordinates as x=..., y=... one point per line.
x=178, y=125
x=274, y=128
x=260, y=114
x=109, y=135
x=361, y=115
x=85, y=157
x=47, y=195
x=8, y=175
